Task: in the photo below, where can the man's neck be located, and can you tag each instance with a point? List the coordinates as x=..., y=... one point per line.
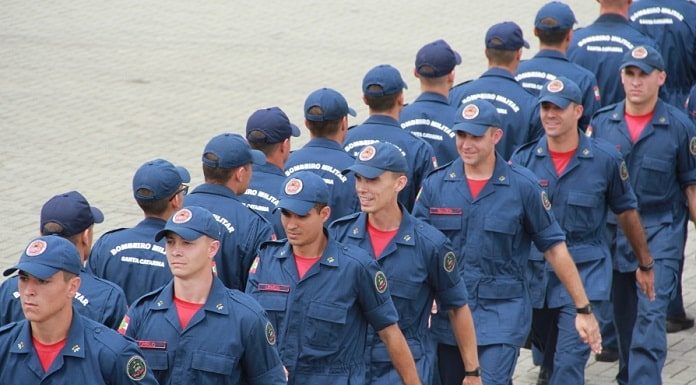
x=558, y=48
x=314, y=249
x=392, y=113
x=511, y=68
x=614, y=11
x=483, y=170
x=641, y=109
x=440, y=90
x=54, y=329
x=194, y=289
x=386, y=219
x=565, y=143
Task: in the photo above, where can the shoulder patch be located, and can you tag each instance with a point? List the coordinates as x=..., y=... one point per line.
x=270, y=333
x=254, y=265
x=623, y=171
x=692, y=146
x=123, y=327
x=450, y=262
x=136, y=368
x=380, y=282
x=545, y=201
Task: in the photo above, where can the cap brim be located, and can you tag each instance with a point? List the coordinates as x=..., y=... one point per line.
x=471, y=128
x=184, y=232
x=556, y=100
x=295, y=130
x=296, y=206
x=525, y=43
x=97, y=214
x=457, y=57
x=645, y=67
x=257, y=157
x=183, y=174
x=34, y=269
x=351, y=112
x=363, y=170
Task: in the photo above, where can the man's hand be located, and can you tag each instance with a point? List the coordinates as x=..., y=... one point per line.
x=471, y=381
x=588, y=329
x=646, y=282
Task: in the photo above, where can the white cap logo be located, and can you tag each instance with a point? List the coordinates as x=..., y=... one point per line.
x=555, y=86
x=35, y=248
x=469, y=112
x=367, y=153
x=293, y=187
x=639, y=53
x=182, y=216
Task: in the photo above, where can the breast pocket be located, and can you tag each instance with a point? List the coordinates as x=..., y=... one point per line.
x=325, y=324
x=158, y=361
x=581, y=212
x=275, y=305
x=404, y=294
x=214, y=368
x=655, y=179
x=500, y=236
x=450, y=225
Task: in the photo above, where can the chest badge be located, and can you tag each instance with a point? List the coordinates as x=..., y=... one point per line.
x=380, y=282
x=219, y=306
x=76, y=348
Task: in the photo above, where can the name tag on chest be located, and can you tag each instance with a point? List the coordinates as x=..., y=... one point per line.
x=152, y=345
x=274, y=287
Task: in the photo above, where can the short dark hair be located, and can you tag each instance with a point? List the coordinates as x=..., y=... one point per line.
x=258, y=141
x=500, y=56
x=321, y=129
x=551, y=37
x=67, y=276
x=380, y=103
x=438, y=81
x=216, y=175
x=54, y=228
x=152, y=207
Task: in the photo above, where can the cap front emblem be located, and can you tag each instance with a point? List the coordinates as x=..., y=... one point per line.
x=367, y=153
x=182, y=216
x=36, y=248
x=555, y=86
x=293, y=187
x=639, y=53
x=469, y=112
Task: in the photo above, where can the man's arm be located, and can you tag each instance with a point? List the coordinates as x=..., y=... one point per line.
x=564, y=267
x=465, y=334
x=629, y=221
x=690, y=192
x=401, y=356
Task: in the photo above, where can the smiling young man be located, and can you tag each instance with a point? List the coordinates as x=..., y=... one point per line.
x=194, y=329
x=658, y=142
x=417, y=259
x=322, y=295
x=54, y=344
x=583, y=178
x=492, y=212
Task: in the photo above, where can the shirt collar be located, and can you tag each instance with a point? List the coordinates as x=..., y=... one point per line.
x=499, y=72
x=660, y=114
x=383, y=119
x=551, y=54
x=432, y=97
x=584, y=149
x=455, y=171
x=268, y=168
x=323, y=142
x=328, y=258
x=215, y=189
x=611, y=18
x=216, y=301
x=74, y=344
x=405, y=234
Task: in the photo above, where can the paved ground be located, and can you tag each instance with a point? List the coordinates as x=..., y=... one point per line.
x=90, y=90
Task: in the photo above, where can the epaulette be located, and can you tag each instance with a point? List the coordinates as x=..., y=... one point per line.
x=462, y=83
x=275, y=242
x=7, y=327
x=440, y=167
x=115, y=230
x=346, y=218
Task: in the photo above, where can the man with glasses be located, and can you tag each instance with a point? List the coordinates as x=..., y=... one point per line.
x=130, y=257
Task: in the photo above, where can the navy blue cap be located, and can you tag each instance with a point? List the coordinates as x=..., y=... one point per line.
x=191, y=223
x=645, y=57
x=232, y=151
x=332, y=104
x=47, y=255
x=273, y=123
x=506, y=36
x=374, y=159
x=476, y=117
x=560, y=91
x=301, y=191
x=436, y=59
x=555, y=16
x=385, y=76
x=158, y=179
x=72, y=211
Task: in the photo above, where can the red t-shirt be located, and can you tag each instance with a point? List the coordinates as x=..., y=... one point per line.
x=379, y=239
x=476, y=185
x=636, y=124
x=304, y=264
x=185, y=310
x=561, y=159
x=48, y=353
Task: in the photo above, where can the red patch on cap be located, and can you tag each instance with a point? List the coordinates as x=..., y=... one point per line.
x=182, y=216
x=469, y=112
x=293, y=187
x=35, y=248
x=367, y=153
x=555, y=86
x=639, y=53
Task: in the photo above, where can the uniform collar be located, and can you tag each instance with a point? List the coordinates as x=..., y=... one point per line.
x=74, y=344
x=660, y=114
x=404, y=236
x=584, y=150
x=612, y=18
x=215, y=189
x=153, y=222
x=551, y=54
x=455, y=171
x=328, y=258
x=500, y=73
x=268, y=168
x=325, y=143
x=383, y=119
x=215, y=303
x=432, y=97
